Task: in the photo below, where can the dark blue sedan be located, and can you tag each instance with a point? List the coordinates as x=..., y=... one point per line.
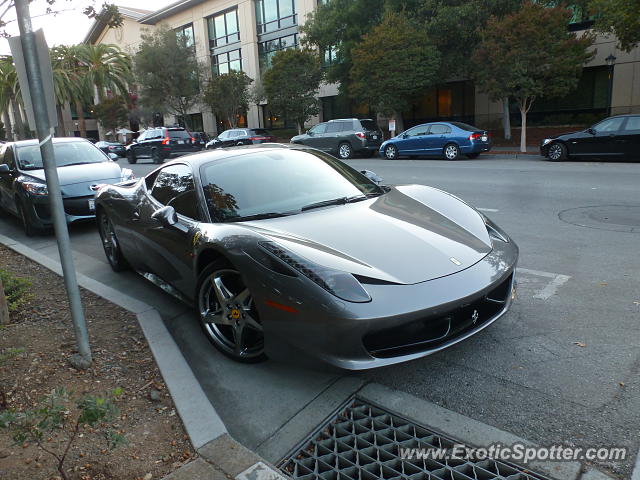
x=451, y=139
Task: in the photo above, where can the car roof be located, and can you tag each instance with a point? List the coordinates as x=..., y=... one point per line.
x=24, y=143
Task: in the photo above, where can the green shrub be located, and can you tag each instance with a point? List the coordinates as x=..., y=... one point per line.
x=16, y=289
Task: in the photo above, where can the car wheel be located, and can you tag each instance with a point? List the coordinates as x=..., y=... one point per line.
x=228, y=313
x=345, y=151
x=557, y=151
x=451, y=152
x=239, y=144
x=110, y=243
x=155, y=156
x=29, y=228
x=131, y=157
x=391, y=152
x=472, y=155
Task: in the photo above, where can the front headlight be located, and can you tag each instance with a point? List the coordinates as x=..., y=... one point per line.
x=341, y=284
x=546, y=141
x=35, y=188
x=127, y=174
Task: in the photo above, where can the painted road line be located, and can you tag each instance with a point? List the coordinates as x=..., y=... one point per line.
x=551, y=288
x=490, y=210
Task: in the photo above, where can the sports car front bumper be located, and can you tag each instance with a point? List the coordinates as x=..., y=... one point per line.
x=401, y=323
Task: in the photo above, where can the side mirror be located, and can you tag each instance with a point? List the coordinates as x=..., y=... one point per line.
x=167, y=216
x=404, y=135
x=113, y=156
x=4, y=169
x=310, y=133
x=591, y=130
x=372, y=176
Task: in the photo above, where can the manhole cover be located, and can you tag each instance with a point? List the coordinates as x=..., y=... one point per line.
x=617, y=218
x=364, y=442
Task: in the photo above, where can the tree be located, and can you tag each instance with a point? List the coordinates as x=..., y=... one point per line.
x=168, y=73
x=228, y=95
x=111, y=113
x=393, y=64
x=292, y=83
x=107, y=68
x=530, y=54
x=618, y=17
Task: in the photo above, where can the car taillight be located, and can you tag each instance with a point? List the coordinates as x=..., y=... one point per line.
x=258, y=138
x=166, y=141
x=475, y=136
x=361, y=135
x=193, y=140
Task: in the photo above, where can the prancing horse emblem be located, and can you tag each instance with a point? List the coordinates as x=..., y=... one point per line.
x=475, y=316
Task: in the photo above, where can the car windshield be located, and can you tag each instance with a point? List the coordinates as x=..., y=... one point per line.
x=369, y=124
x=279, y=182
x=465, y=126
x=67, y=153
x=261, y=131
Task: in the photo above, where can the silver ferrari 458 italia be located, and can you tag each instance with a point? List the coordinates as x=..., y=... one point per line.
x=285, y=248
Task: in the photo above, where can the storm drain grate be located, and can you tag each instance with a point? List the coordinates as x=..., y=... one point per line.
x=363, y=442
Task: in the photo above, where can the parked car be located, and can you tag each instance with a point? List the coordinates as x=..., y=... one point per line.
x=284, y=268
x=241, y=136
x=451, y=139
x=112, y=147
x=82, y=169
x=613, y=137
x=201, y=139
x=161, y=143
x=343, y=137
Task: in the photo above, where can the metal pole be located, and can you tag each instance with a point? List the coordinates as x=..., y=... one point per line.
x=27, y=37
x=610, y=92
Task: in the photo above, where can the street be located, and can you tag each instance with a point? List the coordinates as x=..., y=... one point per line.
x=561, y=367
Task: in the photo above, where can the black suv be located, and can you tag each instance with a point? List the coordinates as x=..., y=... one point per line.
x=343, y=137
x=162, y=143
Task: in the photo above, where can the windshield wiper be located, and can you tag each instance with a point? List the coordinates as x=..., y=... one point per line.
x=77, y=163
x=337, y=201
x=260, y=216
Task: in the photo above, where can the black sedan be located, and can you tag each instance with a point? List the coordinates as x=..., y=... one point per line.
x=320, y=259
x=82, y=168
x=614, y=137
x=112, y=147
x=241, y=136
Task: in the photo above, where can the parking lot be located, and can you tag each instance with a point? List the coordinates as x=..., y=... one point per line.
x=561, y=367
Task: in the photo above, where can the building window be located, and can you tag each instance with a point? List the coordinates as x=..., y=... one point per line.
x=195, y=122
x=329, y=56
x=222, y=63
x=274, y=15
x=186, y=34
x=266, y=50
x=223, y=28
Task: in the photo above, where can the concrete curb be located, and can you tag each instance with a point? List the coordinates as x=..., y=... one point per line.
x=202, y=422
x=465, y=429
x=635, y=475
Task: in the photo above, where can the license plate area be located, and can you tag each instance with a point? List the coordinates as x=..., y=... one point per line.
x=92, y=205
x=485, y=138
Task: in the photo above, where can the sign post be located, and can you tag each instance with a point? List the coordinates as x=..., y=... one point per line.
x=392, y=127
x=33, y=59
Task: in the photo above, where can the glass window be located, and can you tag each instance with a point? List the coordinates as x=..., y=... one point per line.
x=186, y=35
x=67, y=153
x=226, y=62
x=317, y=129
x=465, y=126
x=289, y=180
x=335, y=127
x=609, y=125
x=273, y=15
x=223, y=29
x=266, y=50
x=415, y=131
x=633, y=123
x=174, y=187
x=440, y=129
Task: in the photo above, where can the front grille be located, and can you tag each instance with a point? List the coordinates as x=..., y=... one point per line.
x=363, y=442
x=78, y=207
x=427, y=333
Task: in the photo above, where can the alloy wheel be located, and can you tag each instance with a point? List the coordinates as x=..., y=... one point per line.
x=451, y=152
x=391, y=152
x=229, y=316
x=344, y=150
x=109, y=240
x=555, y=151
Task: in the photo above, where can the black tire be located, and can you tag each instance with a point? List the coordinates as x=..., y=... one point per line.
x=240, y=310
x=391, y=152
x=472, y=156
x=451, y=151
x=238, y=144
x=557, y=152
x=345, y=151
x=110, y=243
x=155, y=156
x=29, y=228
x=131, y=157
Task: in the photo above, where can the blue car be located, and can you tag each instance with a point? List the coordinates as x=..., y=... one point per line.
x=451, y=139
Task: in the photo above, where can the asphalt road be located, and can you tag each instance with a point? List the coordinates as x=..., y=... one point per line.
x=561, y=367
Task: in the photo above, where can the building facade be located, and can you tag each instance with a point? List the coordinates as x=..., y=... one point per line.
x=245, y=34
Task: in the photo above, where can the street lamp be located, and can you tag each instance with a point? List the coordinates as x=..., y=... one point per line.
x=611, y=61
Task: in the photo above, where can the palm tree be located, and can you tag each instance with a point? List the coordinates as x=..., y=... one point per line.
x=63, y=82
x=6, y=90
x=10, y=96
x=107, y=68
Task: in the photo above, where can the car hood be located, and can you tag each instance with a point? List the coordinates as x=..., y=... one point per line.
x=411, y=234
x=89, y=172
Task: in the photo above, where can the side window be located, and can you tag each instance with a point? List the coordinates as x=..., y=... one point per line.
x=318, y=129
x=440, y=129
x=633, y=124
x=141, y=137
x=609, y=125
x=335, y=127
x=174, y=187
x=6, y=156
x=412, y=132
x=224, y=135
